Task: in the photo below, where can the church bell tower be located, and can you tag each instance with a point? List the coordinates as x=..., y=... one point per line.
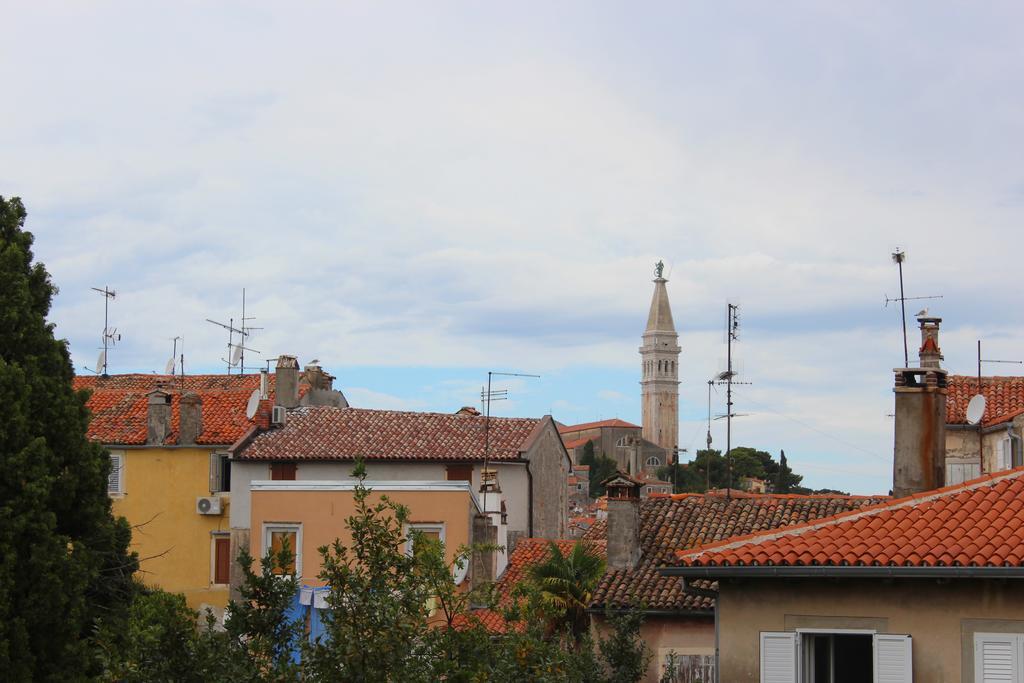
x=660, y=370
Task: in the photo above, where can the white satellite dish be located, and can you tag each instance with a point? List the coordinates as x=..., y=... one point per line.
x=236, y=355
x=169, y=368
x=975, y=409
x=101, y=362
x=254, y=403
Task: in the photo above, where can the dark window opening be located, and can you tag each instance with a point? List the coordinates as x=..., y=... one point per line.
x=282, y=471
x=837, y=658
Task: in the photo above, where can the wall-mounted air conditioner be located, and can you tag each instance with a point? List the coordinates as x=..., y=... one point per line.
x=208, y=505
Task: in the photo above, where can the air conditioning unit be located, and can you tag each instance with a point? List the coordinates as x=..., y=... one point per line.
x=208, y=505
x=277, y=417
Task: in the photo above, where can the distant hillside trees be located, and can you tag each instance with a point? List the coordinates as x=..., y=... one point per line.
x=709, y=467
x=601, y=467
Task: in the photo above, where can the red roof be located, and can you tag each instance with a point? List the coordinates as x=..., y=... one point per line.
x=979, y=523
x=1004, y=398
x=576, y=443
x=614, y=422
x=118, y=405
x=328, y=433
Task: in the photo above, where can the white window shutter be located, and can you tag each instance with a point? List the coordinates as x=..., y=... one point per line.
x=778, y=657
x=114, y=478
x=1005, y=454
x=215, y=483
x=997, y=657
x=893, y=658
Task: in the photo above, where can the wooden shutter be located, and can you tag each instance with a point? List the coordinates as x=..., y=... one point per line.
x=114, y=478
x=998, y=657
x=221, y=560
x=462, y=472
x=893, y=658
x=778, y=657
x=282, y=471
x=216, y=486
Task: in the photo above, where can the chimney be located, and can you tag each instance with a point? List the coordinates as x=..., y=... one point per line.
x=919, y=445
x=286, y=391
x=158, y=416
x=623, y=521
x=264, y=383
x=317, y=378
x=930, y=353
x=190, y=419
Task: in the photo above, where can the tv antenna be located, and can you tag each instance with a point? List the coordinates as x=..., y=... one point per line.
x=485, y=401
x=236, y=352
x=898, y=257
x=110, y=335
x=175, y=359
x=732, y=333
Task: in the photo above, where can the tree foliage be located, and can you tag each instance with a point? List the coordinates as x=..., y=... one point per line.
x=566, y=584
x=601, y=467
x=64, y=561
x=693, y=477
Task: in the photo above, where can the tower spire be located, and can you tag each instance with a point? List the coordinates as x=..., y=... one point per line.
x=659, y=382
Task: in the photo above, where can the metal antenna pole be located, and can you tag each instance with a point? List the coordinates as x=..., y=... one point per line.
x=899, y=257
x=707, y=452
x=981, y=434
x=487, y=425
x=733, y=327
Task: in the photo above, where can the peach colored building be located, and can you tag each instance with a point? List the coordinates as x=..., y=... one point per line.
x=312, y=514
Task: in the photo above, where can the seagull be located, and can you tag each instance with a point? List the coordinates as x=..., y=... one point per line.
x=923, y=312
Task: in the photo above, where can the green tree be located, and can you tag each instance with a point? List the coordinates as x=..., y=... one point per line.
x=623, y=652
x=600, y=469
x=64, y=560
x=785, y=481
x=566, y=584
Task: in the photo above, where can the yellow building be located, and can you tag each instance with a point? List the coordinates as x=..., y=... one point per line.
x=168, y=437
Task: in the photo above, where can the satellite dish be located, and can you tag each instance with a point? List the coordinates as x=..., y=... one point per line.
x=169, y=368
x=236, y=355
x=254, y=403
x=101, y=362
x=975, y=409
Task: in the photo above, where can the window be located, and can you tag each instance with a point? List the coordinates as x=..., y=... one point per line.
x=274, y=538
x=282, y=471
x=688, y=668
x=999, y=657
x=432, y=530
x=221, y=559
x=220, y=473
x=835, y=657
x=115, y=480
x=654, y=461
x=1008, y=454
x=462, y=472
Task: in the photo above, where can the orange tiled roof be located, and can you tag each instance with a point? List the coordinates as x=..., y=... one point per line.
x=118, y=405
x=1004, y=398
x=328, y=433
x=979, y=523
x=576, y=443
x=614, y=422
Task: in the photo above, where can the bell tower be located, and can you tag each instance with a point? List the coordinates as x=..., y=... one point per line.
x=660, y=370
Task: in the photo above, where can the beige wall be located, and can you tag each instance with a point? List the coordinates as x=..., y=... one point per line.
x=963, y=444
x=663, y=634
x=942, y=618
x=323, y=513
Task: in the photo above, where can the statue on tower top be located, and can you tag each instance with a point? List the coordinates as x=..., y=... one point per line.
x=659, y=268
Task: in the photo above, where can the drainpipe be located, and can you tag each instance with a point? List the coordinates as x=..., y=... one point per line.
x=529, y=498
x=718, y=663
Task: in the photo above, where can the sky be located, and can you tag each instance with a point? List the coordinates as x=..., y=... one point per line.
x=418, y=193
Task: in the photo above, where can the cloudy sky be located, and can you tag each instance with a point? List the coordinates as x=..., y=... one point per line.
x=418, y=193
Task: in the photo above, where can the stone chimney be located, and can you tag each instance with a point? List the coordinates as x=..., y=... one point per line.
x=919, y=448
x=158, y=416
x=623, y=521
x=286, y=391
x=317, y=378
x=190, y=419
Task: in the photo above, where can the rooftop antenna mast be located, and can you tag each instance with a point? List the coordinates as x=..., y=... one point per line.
x=898, y=257
x=732, y=334
x=236, y=352
x=485, y=400
x=110, y=336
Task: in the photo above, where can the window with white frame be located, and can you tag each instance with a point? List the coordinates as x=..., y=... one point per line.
x=276, y=535
x=688, y=666
x=999, y=657
x=115, y=480
x=431, y=530
x=829, y=656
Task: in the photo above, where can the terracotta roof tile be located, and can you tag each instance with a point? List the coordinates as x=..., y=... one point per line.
x=614, y=422
x=1004, y=398
x=576, y=443
x=328, y=433
x=984, y=529
x=118, y=405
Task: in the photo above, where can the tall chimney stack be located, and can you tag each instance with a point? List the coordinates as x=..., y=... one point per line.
x=286, y=391
x=623, y=521
x=190, y=419
x=919, y=450
x=158, y=416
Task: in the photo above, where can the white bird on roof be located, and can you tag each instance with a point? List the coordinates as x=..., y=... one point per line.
x=923, y=312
